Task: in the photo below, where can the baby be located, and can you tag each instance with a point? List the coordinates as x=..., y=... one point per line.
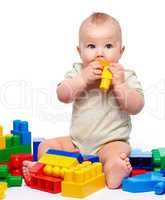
x=100, y=121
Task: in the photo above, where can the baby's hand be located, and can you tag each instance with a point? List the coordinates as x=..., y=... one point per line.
x=92, y=72
x=117, y=74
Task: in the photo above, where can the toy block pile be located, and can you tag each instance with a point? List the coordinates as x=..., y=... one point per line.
x=141, y=161
x=18, y=141
x=66, y=172
x=14, y=149
x=143, y=181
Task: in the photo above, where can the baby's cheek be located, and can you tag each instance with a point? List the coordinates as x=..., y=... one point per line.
x=113, y=55
x=88, y=56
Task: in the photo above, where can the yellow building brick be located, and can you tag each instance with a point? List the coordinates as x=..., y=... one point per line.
x=3, y=186
x=106, y=77
x=58, y=160
x=2, y=195
x=2, y=142
x=84, y=180
x=1, y=130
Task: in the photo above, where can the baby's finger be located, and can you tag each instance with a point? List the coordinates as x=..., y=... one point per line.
x=97, y=72
x=97, y=77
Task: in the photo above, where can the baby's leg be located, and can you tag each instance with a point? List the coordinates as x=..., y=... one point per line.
x=60, y=143
x=116, y=165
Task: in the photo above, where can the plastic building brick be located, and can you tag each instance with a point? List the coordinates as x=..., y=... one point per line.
x=14, y=180
x=62, y=171
x=36, y=142
x=91, y=158
x=158, y=156
x=156, y=159
x=15, y=143
x=83, y=180
x=78, y=156
x=2, y=142
x=17, y=163
x=106, y=76
x=21, y=128
x=11, y=180
x=14, y=149
x=39, y=180
x=47, y=184
x=151, y=181
x=62, y=161
x=141, y=159
x=3, y=187
x=136, y=172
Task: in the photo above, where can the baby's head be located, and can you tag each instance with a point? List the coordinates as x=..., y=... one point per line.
x=100, y=37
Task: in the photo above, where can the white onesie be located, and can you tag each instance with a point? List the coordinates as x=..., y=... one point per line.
x=97, y=119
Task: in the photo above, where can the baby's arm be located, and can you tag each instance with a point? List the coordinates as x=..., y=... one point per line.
x=70, y=88
x=129, y=99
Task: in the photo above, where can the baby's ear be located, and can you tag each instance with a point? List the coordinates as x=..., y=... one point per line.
x=78, y=49
x=122, y=50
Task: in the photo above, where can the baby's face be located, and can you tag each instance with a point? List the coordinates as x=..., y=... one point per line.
x=100, y=41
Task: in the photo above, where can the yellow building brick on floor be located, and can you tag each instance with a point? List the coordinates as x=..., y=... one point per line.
x=83, y=180
x=3, y=188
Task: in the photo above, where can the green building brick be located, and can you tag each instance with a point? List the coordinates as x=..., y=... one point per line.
x=156, y=157
x=162, y=157
x=22, y=149
x=5, y=154
x=9, y=140
x=4, y=171
x=16, y=140
x=14, y=180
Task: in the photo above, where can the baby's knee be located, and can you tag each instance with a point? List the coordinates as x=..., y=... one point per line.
x=42, y=148
x=48, y=144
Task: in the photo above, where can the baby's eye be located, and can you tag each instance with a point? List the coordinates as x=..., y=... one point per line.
x=108, y=46
x=91, y=46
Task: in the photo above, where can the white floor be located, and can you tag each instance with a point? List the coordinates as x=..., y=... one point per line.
x=25, y=193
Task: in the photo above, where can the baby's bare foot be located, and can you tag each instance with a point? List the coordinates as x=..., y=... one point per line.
x=117, y=170
x=27, y=165
x=126, y=159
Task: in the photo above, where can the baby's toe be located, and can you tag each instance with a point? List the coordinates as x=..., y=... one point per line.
x=123, y=156
x=127, y=159
x=26, y=163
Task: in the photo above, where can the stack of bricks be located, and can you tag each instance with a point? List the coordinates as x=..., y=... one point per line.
x=68, y=173
x=15, y=147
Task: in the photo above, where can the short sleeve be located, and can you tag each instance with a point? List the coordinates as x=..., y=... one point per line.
x=133, y=82
x=76, y=69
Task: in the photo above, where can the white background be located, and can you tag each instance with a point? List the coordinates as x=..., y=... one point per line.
x=38, y=45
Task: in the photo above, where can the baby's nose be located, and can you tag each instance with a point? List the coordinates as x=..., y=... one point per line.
x=99, y=53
